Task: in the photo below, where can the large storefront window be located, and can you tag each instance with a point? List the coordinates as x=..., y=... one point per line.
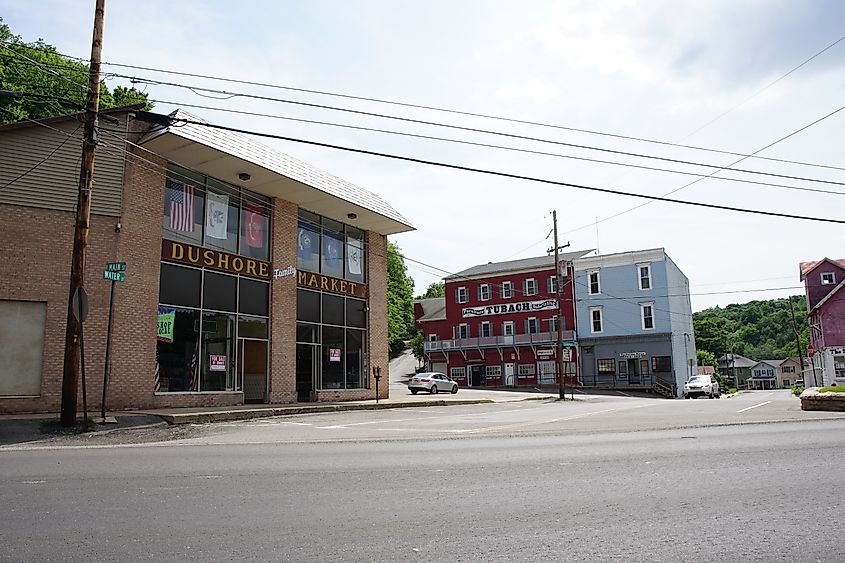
x=202, y=316
x=331, y=248
x=177, y=350
x=334, y=325
x=208, y=212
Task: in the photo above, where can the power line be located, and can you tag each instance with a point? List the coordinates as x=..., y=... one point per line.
x=509, y=175
x=43, y=160
x=197, y=89
x=515, y=149
x=758, y=92
x=465, y=113
x=487, y=145
x=834, y=112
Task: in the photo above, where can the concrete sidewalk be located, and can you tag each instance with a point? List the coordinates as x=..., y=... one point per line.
x=245, y=412
x=20, y=428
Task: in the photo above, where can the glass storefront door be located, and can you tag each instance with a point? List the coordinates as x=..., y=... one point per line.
x=252, y=368
x=307, y=368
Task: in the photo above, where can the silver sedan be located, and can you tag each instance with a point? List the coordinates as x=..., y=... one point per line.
x=433, y=382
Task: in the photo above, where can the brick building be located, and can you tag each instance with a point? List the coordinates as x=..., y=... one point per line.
x=823, y=283
x=496, y=326
x=251, y=276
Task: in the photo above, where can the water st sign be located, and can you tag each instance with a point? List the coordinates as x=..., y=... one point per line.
x=114, y=276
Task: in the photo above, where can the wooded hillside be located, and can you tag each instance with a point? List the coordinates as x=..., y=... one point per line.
x=757, y=329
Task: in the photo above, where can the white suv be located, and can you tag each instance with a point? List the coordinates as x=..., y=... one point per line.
x=701, y=385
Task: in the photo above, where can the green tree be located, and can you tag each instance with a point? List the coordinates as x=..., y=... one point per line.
x=436, y=289
x=400, y=303
x=417, y=346
x=706, y=358
x=36, y=68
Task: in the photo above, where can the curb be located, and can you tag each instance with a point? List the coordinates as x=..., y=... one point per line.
x=267, y=412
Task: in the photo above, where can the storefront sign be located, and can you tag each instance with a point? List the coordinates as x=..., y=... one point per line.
x=166, y=321
x=185, y=253
x=546, y=352
x=334, y=354
x=330, y=284
x=288, y=272
x=216, y=363
x=521, y=307
x=632, y=355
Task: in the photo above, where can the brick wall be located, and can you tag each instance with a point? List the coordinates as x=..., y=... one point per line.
x=36, y=257
x=283, y=305
x=377, y=333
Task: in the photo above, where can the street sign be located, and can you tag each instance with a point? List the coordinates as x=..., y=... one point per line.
x=80, y=304
x=116, y=267
x=569, y=343
x=114, y=276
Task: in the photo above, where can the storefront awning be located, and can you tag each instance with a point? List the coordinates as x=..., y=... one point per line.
x=229, y=156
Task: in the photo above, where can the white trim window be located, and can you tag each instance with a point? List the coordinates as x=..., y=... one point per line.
x=506, y=290
x=529, y=287
x=593, y=282
x=462, y=331
x=461, y=295
x=484, y=293
x=525, y=370
x=485, y=329
x=647, y=315
x=552, y=284
x=507, y=328
x=432, y=338
x=644, y=275
x=457, y=373
x=828, y=278
x=492, y=371
x=553, y=324
x=596, y=321
x=532, y=325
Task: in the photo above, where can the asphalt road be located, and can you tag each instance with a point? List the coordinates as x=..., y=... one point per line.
x=750, y=478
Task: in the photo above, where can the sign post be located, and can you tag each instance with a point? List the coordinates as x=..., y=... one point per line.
x=116, y=272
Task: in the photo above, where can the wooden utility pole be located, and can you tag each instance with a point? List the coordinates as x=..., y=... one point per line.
x=559, y=323
x=798, y=343
x=70, y=374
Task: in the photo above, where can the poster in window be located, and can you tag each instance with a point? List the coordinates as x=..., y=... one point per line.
x=354, y=256
x=307, y=249
x=216, y=362
x=166, y=322
x=334, y=354
x=217, y=216
x=253, y=226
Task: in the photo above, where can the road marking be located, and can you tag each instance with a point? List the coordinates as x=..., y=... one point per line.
x=753, y=407
x=539, y=422
x=32, y=482
x=385, y=421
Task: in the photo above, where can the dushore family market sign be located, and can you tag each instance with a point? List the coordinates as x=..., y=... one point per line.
x=184, y=253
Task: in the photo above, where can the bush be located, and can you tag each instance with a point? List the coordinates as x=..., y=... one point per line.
x=797, y=390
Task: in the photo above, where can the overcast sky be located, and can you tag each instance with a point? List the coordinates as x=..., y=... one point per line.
x=659, y=70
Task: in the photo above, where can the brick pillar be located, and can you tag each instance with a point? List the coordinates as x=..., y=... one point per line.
x=377, y=327
x=136, y=300
x=283, y=305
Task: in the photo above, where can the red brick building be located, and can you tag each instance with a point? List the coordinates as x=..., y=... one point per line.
x=496, y=326
x=251, y=276
x=823, y=283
